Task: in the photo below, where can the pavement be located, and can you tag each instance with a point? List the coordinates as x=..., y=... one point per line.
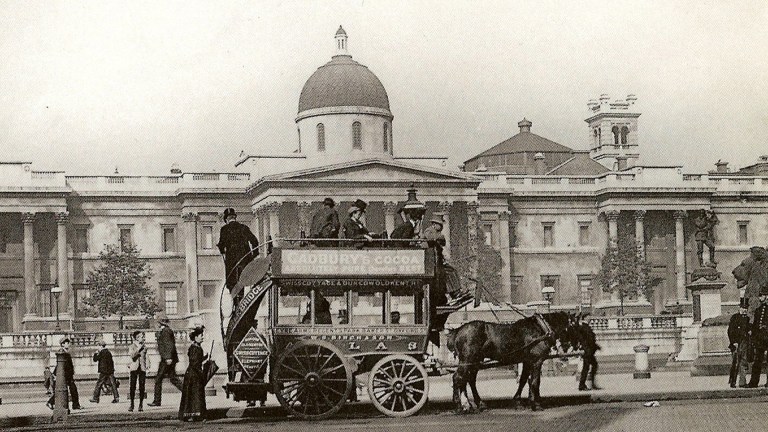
x=496, y=386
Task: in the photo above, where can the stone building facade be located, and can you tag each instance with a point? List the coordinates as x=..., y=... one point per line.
x=548, y=209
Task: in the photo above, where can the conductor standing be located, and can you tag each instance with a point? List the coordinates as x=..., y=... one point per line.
x=238, y=245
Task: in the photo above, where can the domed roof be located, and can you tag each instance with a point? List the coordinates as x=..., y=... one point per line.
x=343, y=82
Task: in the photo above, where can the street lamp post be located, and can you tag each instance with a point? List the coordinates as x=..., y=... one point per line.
x=56, y=291
x=548, y=293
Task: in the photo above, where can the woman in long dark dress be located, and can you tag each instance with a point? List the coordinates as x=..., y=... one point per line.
x=192, y=406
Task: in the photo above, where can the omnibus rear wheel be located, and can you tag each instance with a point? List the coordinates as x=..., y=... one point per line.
x=398, y=385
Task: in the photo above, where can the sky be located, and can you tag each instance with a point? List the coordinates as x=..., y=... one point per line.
x=89, y=86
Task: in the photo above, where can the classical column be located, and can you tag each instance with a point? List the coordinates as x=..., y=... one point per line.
x=62, y=264
x=30, y=289
x=640, y=239
x=390, y=211
x=273, y=212
x=506, y=270
x=445, y=209
x=190, y=292
x=305, y=216
x=472, y=241
x=613, y=226
x=680, y=254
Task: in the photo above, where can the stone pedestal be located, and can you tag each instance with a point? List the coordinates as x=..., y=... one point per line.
x=705, y=291
x=641, y=362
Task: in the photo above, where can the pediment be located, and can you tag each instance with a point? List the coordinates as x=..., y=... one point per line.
x=372, y=170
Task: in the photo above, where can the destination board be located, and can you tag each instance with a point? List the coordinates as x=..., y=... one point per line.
x=352, y=262
x=252, y=353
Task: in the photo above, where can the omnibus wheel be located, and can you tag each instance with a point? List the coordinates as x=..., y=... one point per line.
x=312, y=380
x=398, y=385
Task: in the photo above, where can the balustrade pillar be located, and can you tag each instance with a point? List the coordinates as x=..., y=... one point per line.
x=62, y=264
x=30, y=288
x=680, y=254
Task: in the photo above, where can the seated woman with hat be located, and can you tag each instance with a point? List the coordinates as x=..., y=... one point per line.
x=353, y=227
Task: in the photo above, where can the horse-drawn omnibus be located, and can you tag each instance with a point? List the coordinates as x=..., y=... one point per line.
x=325, y=317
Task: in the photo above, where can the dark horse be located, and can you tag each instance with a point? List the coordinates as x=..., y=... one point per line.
x=526, y=341
x=579, y=337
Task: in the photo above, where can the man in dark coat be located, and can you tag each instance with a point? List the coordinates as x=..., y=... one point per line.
x=325, y=224
x=106, y=373
x=737, y=334
x=760, y=336
x=238, y=245
x=69, y=375
x=166, y=344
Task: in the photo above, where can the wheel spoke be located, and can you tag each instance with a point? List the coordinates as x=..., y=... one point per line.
x=328, y=401
x=299, y=364
x=330, y=357
x=415, y=390
x=402, y=401
x=299, y=374
x=334, y=390
x=335, y=368
x=407, y=374
x=414, y=380
x=381, y=381
x=411, y=399
x=383, y=370
x=394, y=401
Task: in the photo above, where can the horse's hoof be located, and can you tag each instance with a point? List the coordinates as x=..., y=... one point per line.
x=583, y=388
x=536, y=407
x=482, y=407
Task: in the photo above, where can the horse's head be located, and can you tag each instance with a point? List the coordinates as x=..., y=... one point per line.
x=743, y=272
x=450, y=342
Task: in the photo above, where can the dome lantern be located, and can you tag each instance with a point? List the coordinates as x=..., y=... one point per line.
x=341, y=42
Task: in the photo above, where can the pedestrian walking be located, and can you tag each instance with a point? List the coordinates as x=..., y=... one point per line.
x=48, y=380
x=138, y=367
x=192, y=407
x=325, y=224
x=166, y=344
x=69, y=376
x=106, y=373
x=238, y=245
x=738, y=327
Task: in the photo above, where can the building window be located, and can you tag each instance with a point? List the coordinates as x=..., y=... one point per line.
x=584, y=233
x=386, y=137
x=170, y=297
x=743, y=232
x=357, y=136
x=80, y=244
x=585, y=291
x=320, y=137
x=488, y=234
x=169, y=238
x=126, y=236
x=616, y=133
x=624, y=133
x=549, y=234
x=207, y=240
x=554, y=282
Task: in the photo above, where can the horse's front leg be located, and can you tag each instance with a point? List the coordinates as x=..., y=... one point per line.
x=479, y=404
x=535, y=383
x=459, y=388
x=523, y=379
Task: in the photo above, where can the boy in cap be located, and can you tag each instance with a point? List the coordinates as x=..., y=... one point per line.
x=106, y=373
x=325, y=224
x=69, y=377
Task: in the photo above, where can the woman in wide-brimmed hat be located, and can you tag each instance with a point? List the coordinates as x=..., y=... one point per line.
x=353, y=227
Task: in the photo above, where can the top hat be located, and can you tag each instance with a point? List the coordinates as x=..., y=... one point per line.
x=229, y=212
x=744, y=302
x=361, y=204
x=329, y=202
x=353, y=209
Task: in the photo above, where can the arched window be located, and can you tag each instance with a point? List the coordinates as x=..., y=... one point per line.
x=357, y=139
x=320, y=137
x=615, y=131
x=386, y=137
x=596, y=139
x=624, y=133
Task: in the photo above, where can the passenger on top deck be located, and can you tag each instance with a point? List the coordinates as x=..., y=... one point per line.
x=325, y=224
x=322, y=311
x=354, y=228
x=409, y=229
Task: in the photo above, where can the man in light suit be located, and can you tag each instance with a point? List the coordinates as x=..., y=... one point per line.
x=138, y=367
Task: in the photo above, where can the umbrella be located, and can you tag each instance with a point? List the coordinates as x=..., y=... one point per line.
x=252, y=274
x=209, y=370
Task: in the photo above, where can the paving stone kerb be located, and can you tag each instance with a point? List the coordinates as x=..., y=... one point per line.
x=495, y=388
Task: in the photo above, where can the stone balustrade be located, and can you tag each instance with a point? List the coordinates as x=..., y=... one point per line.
x=159, y=184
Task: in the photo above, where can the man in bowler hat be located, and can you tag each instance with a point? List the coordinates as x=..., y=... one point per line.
x=325, y=224
x=166, y=344
x=238, y=245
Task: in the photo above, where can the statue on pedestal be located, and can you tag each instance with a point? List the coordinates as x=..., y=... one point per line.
x=705, y=235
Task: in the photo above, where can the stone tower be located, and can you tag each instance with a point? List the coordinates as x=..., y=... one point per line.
x=613, y=132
